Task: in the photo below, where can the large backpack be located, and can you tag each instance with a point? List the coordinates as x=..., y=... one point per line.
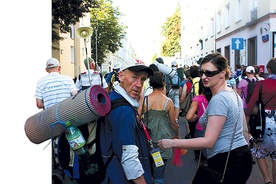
x=257, y=118
x=250, y=88
x=175, y=81
x=185, y=106
x=73, y=168
x=181, y=74
x=85, y=87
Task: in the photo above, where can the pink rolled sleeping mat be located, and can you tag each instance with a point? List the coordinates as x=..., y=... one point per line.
x=84, y=107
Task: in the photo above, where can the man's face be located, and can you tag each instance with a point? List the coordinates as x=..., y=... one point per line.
x=92, y=65
x=132, y=82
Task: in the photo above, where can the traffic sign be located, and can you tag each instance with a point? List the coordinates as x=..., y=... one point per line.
x=237, y=43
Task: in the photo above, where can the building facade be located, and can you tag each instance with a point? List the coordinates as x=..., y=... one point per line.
x=71, y=51
x=244, y=31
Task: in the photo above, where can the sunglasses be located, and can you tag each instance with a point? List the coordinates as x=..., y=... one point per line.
x=208, y=73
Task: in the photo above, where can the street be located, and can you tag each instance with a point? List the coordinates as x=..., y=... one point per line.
x=185, y=173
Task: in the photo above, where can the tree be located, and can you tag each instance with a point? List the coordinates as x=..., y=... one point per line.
x=66, y=13
x=107, y=32
x=171, y=30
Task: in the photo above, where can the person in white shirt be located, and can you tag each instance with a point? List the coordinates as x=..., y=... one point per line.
x=53, y=88
x=90, y=77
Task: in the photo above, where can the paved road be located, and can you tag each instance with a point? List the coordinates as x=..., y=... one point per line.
x=185, y=173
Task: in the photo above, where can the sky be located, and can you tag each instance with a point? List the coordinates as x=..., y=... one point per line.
x=144, y=19
x=25, y=46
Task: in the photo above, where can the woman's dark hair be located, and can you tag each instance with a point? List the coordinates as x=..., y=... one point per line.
x=272, y=65
x=157, y=80
x=219, y=61
x=257, y=69
x=204, y=90
x=194, y=71
x=187, y=74
x=243, y=74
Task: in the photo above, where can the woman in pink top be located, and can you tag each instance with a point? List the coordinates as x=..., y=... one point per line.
x=197, y=108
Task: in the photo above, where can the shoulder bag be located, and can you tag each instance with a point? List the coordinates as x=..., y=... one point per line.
x=206, y=175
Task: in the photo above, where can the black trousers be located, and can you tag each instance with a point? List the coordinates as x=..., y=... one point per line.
x=239, y=165
x=192, y=126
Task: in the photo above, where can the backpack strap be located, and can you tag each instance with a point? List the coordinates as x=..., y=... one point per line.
x=80, y=80
x=167, y=103
x=101, y=76
x=193, y=87
x=262, y=113
x=114, y=104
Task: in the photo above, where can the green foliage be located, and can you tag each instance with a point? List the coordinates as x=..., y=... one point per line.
x=66, y=13
x=171, y=30
x=104, y=20
x=154, y=57
x=107, y=32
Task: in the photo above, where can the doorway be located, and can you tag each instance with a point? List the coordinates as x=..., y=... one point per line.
x=252, y=51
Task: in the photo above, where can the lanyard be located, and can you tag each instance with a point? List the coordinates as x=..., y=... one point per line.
x=146, y=133
x=145, y=130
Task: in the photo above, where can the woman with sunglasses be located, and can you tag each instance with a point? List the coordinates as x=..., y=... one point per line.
x=224, y=125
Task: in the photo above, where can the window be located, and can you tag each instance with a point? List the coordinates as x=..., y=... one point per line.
x=212, y=27
x=253, y=11
x=72, y=51
x=238, y=10
x=218, y=22
x=226, y=16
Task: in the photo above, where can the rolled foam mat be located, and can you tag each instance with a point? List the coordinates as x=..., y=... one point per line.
x=165, y=69
x=84, y=107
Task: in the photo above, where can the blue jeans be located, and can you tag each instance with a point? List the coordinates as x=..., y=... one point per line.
x=159, y=172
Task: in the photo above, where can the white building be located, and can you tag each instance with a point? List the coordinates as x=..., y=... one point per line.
x=244, y=31
x=124, y=54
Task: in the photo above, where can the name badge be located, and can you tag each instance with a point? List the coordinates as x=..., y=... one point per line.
x=157, y=157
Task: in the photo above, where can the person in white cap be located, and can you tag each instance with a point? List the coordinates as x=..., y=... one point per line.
x=123, y=134
x=243, y=84
x=53, y=88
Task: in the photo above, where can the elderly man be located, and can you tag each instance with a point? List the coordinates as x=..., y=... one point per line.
x=122, y=134
x=53, y=88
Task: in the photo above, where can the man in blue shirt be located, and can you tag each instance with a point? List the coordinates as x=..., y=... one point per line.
x=121, y=133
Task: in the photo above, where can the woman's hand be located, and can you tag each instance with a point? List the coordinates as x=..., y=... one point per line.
x=165, y=143
x=194, y=118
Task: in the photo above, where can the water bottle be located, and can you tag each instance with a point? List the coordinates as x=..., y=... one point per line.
x=75, y=139
x=78, y=144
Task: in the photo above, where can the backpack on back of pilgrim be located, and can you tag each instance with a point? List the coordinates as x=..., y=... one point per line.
x=175, y=80
x=69, y=168
x=185, y=106
x=257, y=118
x=250, y=88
